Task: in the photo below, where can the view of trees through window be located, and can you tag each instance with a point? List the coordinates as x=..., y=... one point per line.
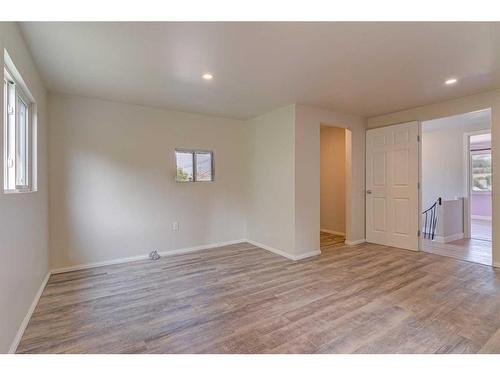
x=194, y=165
x=184, y=162
x=481, y=171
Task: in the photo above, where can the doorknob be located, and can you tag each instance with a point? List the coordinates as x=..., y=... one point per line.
x=368, y=191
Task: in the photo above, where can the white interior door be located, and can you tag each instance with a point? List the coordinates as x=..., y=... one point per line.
x=392, y=171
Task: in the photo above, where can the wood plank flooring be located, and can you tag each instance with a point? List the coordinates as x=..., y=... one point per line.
x=242, y=299
x=481, y=229
x=329, y=240
x=472, y=250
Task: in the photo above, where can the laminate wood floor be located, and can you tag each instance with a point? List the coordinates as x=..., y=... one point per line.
x=472, y=250
x=481, y=229
x=242, y=299
x=329, y=240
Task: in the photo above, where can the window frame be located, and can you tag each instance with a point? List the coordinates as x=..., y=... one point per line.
x=193, y=153
x=13, y=125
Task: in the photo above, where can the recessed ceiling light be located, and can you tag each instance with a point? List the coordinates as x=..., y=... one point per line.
x=207, y=76
x=450, y=81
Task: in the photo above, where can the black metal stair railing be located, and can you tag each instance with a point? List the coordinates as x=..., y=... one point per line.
x=430, y=221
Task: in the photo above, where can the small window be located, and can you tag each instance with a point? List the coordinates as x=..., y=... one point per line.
x=481, y=171
x=17, y=136
x=194, y=165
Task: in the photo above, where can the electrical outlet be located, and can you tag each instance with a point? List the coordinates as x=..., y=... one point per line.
x=175, y=226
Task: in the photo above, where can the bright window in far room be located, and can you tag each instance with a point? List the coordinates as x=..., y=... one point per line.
x=481, y=171
x=194, y=165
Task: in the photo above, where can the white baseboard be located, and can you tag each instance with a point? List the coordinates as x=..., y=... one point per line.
x=184, y=250
x=27, y=318
x=283, y=253
x=356, y=242
x=333, y=232
x=453, y=237
x=479, y=217
x=496, y=265
x=271, y=249
x=307, y=255
x=97, y=264
x=192, y=249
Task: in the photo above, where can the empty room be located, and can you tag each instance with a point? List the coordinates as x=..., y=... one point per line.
x=235, y=188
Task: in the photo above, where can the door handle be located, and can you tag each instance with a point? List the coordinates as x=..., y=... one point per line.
x=368, y=191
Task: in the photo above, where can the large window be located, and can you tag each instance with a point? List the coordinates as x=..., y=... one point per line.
x=481, y=171
x=194, y=165
x=17, y=136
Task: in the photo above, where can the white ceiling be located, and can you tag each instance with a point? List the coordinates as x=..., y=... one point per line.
x=360, y=68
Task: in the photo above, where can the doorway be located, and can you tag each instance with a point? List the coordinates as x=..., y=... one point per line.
x=334, y=150
x=456, y=179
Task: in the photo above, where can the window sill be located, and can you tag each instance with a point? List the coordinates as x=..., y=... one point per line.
x=19, y=191
x=194, y=182
x=480, y=192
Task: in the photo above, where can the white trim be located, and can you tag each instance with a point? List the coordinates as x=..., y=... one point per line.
x=479, y=217
x=453, y=237
x=27, y=318
x=184, y=250
x=97, y=264
x=356, y=242
x=332, y=232
x=192, y=249
x=284, y=253
x=307, y=255
x=496, y=265
x=271, y=249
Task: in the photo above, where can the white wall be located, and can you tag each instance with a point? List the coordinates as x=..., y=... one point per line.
x=271, y=183
x=284, y=178
x=23, y=217
x=333, y=165
x=113, y=193
x=471, y=103
x=443, y=166
x=307, y=174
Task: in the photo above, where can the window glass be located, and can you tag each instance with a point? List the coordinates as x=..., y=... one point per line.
x=204, y=166
x=184, y=162
x=21, y=144
x=481, y=171
x=194, y=165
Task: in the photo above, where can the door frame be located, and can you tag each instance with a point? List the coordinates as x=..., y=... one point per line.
x=420, y=190
x=467, y=182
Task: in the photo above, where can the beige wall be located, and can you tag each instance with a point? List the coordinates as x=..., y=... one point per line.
x=443, y=169
x=307, y=174
x=271, y=184
x=113, y=191
x=23, y=217
x=471, y=103
x=333, y=162
x=284, y=178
